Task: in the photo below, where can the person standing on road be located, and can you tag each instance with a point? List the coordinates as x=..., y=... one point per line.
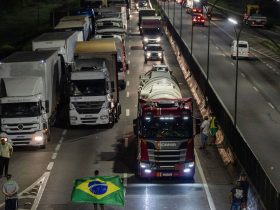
x=10, y=189
x=213, y=128
x=6, y=151
x=245, y=185
x=96, y=173
x=236, y=197
x=204, y=129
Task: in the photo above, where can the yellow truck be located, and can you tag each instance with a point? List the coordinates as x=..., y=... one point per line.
x=252, y=16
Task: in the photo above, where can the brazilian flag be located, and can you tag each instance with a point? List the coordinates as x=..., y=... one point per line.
x=99, y=189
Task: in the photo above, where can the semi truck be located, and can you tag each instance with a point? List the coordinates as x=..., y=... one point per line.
x=149, y=22
x=143, y=12
x=63, y=42
x=81, y=24
x=30, y=93
x=253, y=17
x=93, y=89
x=164, y=127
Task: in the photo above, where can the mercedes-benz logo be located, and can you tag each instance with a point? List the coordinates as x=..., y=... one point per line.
x=20, y=126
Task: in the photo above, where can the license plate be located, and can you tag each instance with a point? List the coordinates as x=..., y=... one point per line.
x=166, y=174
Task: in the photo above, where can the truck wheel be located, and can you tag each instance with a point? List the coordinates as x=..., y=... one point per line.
x=145, y=60
x=111, y=121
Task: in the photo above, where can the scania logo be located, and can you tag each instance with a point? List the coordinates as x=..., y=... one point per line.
x=20, y=126
x=161, y=145
x=167, y=144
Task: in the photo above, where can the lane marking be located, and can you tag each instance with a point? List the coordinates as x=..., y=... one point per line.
x=127, y=72
x=256, y=89
x=232, y=63
x=217, y=47
x=129, y=53
x=41, y=190
x=205, y=184
x=243, y=75
x=270, y=104
x=61, y=140
x=128, y=62
x=127, y=83
x=50, y=166
x=224, y=55
x=57, y=147
x=127, y=94
x=64, y=132
x=127, y=112
x=54, y=155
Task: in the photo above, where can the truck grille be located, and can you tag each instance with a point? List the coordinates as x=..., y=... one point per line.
x=89, y=120
x=88, y=107
x=22, y=141
x=166, y=159
x=20, y=128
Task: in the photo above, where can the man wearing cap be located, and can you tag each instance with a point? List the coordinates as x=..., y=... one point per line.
x=6, y=150
x=10, y=189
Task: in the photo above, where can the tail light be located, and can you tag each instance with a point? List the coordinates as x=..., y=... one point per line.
x=144, y=151
x=190, y=150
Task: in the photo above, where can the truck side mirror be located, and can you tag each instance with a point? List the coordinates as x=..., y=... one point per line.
x=112, y=86
x=135, y=126
x=47, y=106
x=197, y=125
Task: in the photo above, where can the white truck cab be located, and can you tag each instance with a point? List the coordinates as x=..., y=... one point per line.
x=243, y=49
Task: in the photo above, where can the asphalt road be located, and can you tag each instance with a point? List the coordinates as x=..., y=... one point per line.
x=258, y=99
x=46, y=176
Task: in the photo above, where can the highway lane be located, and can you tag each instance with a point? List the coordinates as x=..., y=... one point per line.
x=113, y=152
x=258, y=102
x=48, y=174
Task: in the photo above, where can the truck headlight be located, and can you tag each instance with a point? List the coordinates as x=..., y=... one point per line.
x=146, y=39
x=158, y=39
x=38, y=138
x=73, y=118
x=159, y=54
x=148, y=54
x=189, y=165
x=144, y=165
x=104, y=117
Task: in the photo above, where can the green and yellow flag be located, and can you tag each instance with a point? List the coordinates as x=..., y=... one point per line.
x=99, y=189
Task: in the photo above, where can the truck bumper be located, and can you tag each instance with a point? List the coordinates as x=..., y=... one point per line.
x=151, y=173
x=87, y=119
x=36, y=139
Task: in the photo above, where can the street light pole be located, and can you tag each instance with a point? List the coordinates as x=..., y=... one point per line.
x=168, y=9
x=209, y=14
x=237, y=35
x=174, y=14
x=181, y=20
x=191, y=45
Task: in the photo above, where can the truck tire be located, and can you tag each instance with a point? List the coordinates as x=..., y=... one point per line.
x=111, y=121
x=145, y=61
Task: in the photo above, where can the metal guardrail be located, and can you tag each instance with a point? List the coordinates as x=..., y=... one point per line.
x=267, y=192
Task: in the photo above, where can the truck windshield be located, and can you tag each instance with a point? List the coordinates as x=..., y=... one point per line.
x=167, y=128
x=152, y=32
x=26, y=109
x=88, y=87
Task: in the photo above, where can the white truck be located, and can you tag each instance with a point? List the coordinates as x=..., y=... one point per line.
x=29, y=96
x=94, y=95
x=79, y=23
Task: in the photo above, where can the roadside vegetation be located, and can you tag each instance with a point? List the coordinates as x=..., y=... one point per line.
x=22, y=20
